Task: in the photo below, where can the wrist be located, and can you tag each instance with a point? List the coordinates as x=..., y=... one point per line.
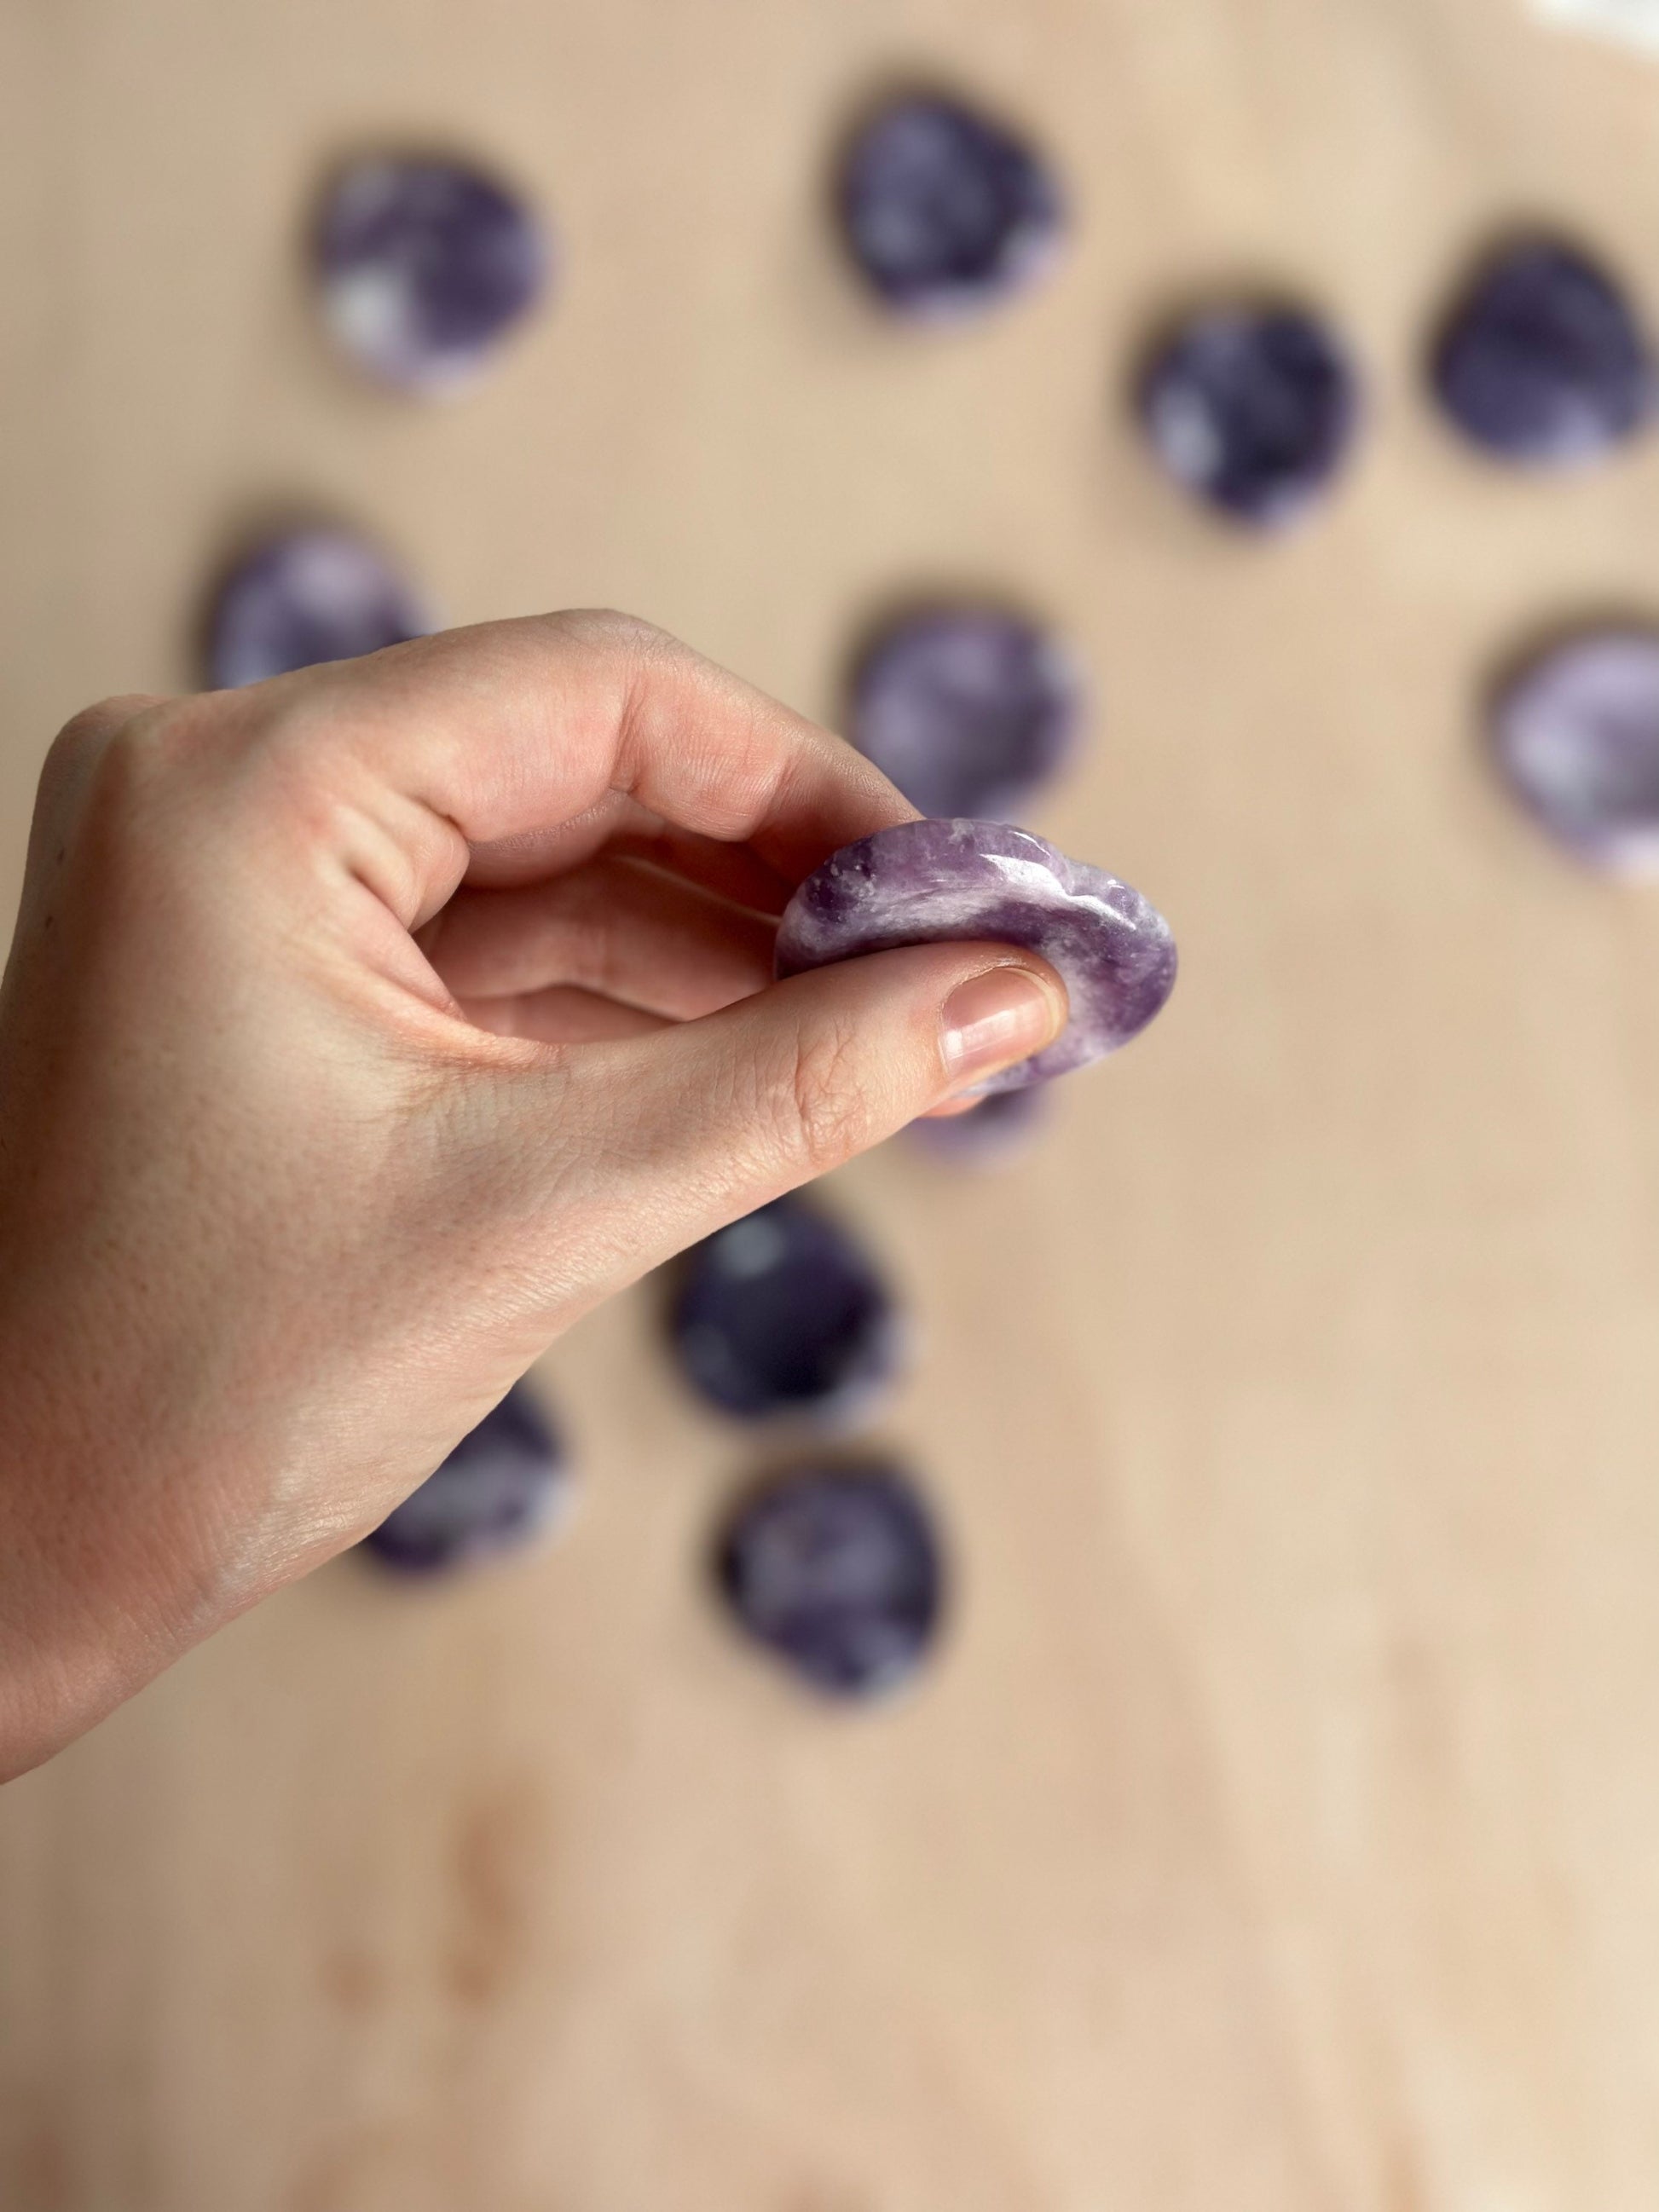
x=94, y=1572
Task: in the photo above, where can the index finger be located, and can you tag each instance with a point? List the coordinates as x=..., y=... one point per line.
x=511, y=730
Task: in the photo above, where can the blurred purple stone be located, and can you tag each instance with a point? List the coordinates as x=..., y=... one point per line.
x=837, y=1572
x=943, y=208
x=998, y=1128
x=1541, y=359
x=423, y=265
x=1575, y=734
x=499, y=1490
x=783, y=1315
x=970, y=709
x=305, y=596
x=1252, y=409
x=928, y=883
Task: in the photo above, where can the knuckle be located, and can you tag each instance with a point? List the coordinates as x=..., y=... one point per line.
x=102, y=755
x=85, y=735
x=822, y=1104
x=86, y=732
x=137, y=753
x=629, y=637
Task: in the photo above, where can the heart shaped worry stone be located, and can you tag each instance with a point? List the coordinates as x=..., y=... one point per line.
x=836, y=1570
x=943, y=208
x=1575, y=734
x=423, y=265
x=1541, y=359
x=1254, y=410
x=936, y=881
x=305, y=596
x=785, y=1314
x=969, y=708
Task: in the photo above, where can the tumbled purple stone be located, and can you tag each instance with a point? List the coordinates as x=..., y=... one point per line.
x=998, y=1128
x=305, y=596
x=929, y=882
x=783, y=1314
x=499, y=1490
x=969, y=709
x=943, y=208
x=1575, y=734
x=1541, y=361
x=1253, y=409
x=837, y=1570
x=423, y=265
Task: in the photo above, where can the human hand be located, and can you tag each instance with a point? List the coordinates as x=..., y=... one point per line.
x=363, y=1029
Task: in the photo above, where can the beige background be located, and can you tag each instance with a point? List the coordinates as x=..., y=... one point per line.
x=1281, y=1828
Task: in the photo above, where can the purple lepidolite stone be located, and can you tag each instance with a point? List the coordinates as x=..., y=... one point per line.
x=943, y=208
x=837, y=1570
x=784, y=1315
x=498, y=1490
x=932, y=882
x=305, y=596
x=1575, y=734
x=1253, y=409
x=1541, y=359
x=423, y=265
x=969, y=708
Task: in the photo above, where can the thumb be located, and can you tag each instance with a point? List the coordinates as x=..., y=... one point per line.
x=714, y=1117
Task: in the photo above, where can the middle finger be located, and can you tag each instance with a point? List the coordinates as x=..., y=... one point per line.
x=613, y=927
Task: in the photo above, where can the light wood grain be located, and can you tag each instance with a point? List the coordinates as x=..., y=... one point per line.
x=1277, y=1833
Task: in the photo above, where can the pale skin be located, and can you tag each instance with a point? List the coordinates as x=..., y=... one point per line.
x=364, y=1028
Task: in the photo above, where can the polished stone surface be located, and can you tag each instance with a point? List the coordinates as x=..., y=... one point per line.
x=305, y=596
x=837, y=1570
x=423, y=266
x=785, y=1314
x=1575, y=734
x=1252, y=409
x=1541, y=359
x=928, y=882
x=945, y=209
x=970, y=709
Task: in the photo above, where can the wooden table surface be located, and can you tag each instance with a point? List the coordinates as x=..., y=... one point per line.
x=1281, y=1828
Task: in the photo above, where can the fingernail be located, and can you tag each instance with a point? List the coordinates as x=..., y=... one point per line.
x=1000, y=1016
